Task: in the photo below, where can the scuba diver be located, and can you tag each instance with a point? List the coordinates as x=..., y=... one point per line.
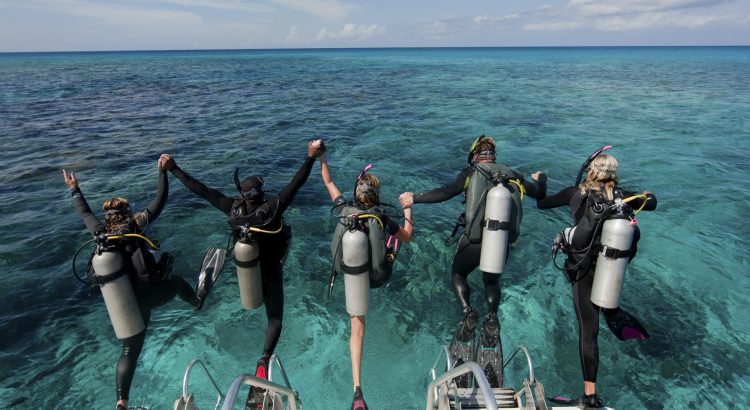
x=262, y=241
x=131, y=280
x=598, y=249
x=491, y=221
x=364, y=248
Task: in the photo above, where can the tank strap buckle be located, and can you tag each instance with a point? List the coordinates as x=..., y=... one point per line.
x=613, y=253
x=495, y=225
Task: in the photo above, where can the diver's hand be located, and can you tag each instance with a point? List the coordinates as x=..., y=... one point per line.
x=406, y=199
x=70, y=180
x=166, y=163
x=315, y=148
x=539, y=176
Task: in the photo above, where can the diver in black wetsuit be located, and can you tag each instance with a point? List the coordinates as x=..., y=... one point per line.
x=601, y=178
x=160, y=287
x=467, y=255
x=274, y=247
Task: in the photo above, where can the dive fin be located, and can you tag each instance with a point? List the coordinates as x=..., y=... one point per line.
x=625, y=326
x=213, y=264
x=463, y=346
x=563, y=400
x=490, y=353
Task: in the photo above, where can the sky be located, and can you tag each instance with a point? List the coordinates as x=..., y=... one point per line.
x=89, y=25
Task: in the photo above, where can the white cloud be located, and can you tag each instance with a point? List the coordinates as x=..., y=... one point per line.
x=115, y=13
x=234, y=5
x=352, y=32
x=554, y=26
x=294, y=36
x=331, y=10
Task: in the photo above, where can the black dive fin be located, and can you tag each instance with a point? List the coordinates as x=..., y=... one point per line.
x=462, y=352
x=625, y=326
x=490, y=356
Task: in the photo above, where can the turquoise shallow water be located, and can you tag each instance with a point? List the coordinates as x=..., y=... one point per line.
x=677, y=117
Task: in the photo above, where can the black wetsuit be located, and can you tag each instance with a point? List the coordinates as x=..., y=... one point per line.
x=467, y=254
x=587, y=313
x=148, y=296
x=273, y=247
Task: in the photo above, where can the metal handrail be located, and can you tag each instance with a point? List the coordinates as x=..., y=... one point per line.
x=448, y=360
x=479, y=378
x=275, y=359
x=186, y=377
x=257, y=382
x=523, y=349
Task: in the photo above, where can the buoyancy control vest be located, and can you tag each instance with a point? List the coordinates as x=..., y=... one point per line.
x=139, y=263
x=380, y=267
x=476, y=188
x=245, y=213
x=582, y=242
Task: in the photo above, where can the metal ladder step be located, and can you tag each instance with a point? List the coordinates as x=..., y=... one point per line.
x=473, y=398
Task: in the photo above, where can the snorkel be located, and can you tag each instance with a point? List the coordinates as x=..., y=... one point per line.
x=588, y=162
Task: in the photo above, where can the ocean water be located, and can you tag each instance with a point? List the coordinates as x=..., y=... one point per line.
x=678, y=119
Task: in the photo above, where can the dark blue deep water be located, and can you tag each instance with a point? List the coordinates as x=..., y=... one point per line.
x=679, y=120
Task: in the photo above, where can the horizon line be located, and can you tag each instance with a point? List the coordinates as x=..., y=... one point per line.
x=366, y=48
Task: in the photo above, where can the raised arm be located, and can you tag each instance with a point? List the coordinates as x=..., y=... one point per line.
x=84, y=211
x=405, y=234
x=153, y=210
x=216, y=198
x=314, y=150
x=537, y=187
x=333, y=192
x=441, y=194
x=559, y=199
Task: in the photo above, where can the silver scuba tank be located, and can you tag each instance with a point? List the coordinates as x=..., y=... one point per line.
x=246, y=257
x=617, y=235
x=118, y=294
x=355, y=248
x=495, y=230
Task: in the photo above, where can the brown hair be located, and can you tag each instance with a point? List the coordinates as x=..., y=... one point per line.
x=602, y=176
x=117, y=212
x=485, y=144
x=367, y=190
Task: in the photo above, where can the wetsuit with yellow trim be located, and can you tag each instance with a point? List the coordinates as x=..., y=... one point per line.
x=148, y=296
x=587, y=313
x=273, y=246
x=467, y=254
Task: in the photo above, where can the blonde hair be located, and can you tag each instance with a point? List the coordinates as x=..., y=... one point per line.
x=117, y=214
x=602, y=176
x=367, y=191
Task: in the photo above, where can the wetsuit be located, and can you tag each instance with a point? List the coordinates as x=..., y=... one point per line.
x=390, y=227
x=587, y=313
x=467, y=254
x=148, y=296
x=273, y=247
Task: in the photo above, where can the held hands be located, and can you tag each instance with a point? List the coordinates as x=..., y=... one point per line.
x=538, y=176
x=315, y=148
x=166, y=163
x=70, y=180
x=406, y=199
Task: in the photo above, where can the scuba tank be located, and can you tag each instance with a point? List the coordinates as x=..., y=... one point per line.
x=355, y=262
x=614, y=255
x=122, y=306
x=496, y=225
x=246, y=257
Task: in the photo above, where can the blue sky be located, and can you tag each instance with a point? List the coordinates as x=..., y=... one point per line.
x=65, y=25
